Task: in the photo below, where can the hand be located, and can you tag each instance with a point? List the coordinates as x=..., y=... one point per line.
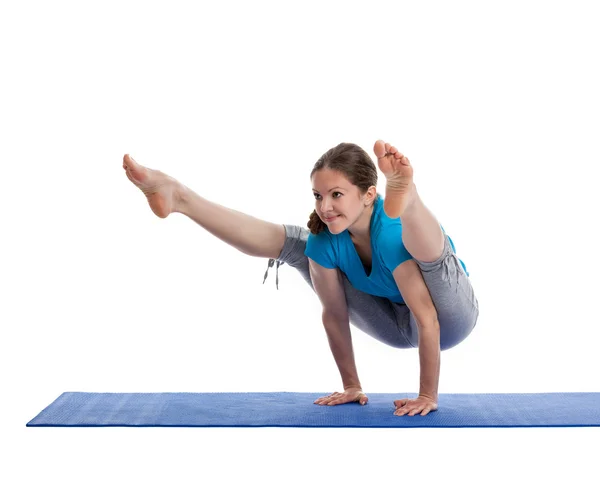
x=422, y=405
x=349, y=395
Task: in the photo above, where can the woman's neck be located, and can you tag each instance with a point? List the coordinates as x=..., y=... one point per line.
x=360, y=231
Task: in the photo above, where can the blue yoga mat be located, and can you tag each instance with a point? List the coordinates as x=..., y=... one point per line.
x=292, y=409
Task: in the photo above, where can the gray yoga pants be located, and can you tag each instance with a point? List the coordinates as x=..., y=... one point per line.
x=393, y=323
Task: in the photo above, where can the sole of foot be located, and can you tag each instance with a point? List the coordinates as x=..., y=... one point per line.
x=400, y=189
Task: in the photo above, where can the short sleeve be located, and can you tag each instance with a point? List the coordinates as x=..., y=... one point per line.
x=320, y=249
x=392, y=249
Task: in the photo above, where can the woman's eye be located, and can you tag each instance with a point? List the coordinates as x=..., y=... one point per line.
x=317, y=196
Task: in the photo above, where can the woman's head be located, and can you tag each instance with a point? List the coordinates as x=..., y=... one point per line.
x=344, y=183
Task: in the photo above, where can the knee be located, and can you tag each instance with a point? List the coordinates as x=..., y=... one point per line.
x=452, y=336
x=450, y=343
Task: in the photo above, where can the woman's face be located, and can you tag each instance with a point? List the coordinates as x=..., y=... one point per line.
x=338, y=202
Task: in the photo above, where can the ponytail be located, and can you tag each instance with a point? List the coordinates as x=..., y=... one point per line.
x=315, y=224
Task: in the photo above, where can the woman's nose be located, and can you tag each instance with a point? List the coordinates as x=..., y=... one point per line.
x=325, y=206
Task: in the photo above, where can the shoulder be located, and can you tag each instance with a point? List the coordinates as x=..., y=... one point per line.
x=385, y=229
x=388, y=238
x=322, y=249
x=324, y=238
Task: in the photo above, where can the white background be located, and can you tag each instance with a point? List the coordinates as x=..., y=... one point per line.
x=496, y=105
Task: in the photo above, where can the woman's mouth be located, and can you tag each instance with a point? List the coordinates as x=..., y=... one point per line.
x=330, y=218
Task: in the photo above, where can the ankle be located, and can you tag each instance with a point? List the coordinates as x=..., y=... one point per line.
x=415, y=205
x=181, y=198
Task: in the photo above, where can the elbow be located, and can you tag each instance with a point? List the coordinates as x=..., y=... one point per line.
x=329, y=317
x=428, y=322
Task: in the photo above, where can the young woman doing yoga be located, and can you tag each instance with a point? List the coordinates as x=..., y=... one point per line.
x=384, y=265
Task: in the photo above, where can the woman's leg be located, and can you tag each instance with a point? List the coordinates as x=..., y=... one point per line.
x=391, y=323
x=377, y=317
x=453, y=297
x=428, y=244
x=255, y=237
x=252, y=236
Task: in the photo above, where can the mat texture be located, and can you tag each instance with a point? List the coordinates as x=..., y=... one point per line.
x=290, y=409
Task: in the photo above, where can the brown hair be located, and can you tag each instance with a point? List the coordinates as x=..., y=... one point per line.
x=356, y=165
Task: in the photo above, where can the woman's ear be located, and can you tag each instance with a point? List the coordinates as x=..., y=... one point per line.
x=370, y=196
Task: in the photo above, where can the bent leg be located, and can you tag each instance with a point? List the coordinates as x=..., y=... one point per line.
x=375, y=316
x=453, y=297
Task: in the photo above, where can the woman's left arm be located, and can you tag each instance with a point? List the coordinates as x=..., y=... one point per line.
x=413, y=289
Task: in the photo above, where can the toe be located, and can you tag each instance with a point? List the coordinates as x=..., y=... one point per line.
x=127, y=161
x=379, y=148
x=138, y=172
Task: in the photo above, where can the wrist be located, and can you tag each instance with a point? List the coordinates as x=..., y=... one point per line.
x=428, y=395
x=352, y=386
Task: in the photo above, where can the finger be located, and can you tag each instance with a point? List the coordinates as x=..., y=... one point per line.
x=363, y=400
x=328, y=397
x=340, y=400
x=426, y=411
x=400, y=402
x=336, y=397
x=415, y=410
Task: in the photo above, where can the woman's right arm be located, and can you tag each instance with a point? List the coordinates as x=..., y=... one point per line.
x=329, y=286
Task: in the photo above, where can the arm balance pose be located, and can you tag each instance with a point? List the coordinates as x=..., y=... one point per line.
x=385, y=265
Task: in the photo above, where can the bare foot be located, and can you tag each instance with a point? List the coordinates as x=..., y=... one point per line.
x=400, y=189
x=162, y=191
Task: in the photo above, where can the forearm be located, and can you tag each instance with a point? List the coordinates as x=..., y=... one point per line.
x=340, y=343
x=429, y=356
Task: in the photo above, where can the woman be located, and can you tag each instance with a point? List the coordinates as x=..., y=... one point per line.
x=384, y=265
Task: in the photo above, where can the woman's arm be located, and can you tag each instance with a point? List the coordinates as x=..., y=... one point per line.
x=328, y=285
x=413, y=289
x=340, y=343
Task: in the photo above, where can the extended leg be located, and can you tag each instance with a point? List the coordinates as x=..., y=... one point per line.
x=250, y=235
x=421, y=232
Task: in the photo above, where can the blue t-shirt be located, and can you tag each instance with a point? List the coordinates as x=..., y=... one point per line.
x=387, y=251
